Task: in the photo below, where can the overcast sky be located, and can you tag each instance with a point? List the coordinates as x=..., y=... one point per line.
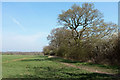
x=26, y=25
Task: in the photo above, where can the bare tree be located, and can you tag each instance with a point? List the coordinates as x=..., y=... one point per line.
x=85, y=22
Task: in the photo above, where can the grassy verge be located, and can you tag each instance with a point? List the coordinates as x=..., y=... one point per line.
x=105, y=68
x=44, y=67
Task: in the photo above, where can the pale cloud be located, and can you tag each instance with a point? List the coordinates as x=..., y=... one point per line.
x=18, y=42
x=115, y=34
x=30, y=38
x=18, y=23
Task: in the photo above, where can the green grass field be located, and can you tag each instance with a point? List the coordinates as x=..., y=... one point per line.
x=29, y=66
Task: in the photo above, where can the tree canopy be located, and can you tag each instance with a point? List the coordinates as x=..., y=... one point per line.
x=84, y=36
x=85, y=22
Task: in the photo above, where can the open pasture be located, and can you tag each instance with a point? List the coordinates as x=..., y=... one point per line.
x=36, y=66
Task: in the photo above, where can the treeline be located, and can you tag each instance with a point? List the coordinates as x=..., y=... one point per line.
x=85, y=36
x=22, y=53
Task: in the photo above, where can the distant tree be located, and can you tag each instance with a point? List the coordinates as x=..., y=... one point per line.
x=59, y=36
x=48, y=50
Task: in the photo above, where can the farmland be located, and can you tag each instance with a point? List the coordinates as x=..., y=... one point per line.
x=59, y=41
x=37, y=66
